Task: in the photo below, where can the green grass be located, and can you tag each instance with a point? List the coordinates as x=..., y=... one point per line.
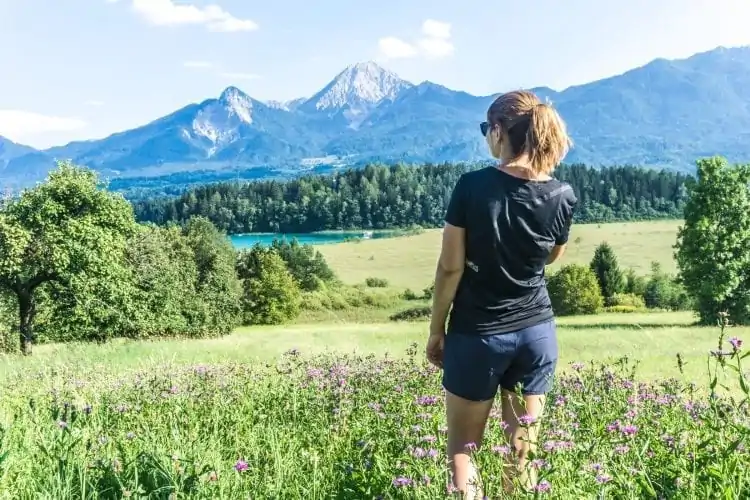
x=409, y=261
x=653, y=339
x=237, y=418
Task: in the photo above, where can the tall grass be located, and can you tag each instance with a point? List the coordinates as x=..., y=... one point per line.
x=343, y=426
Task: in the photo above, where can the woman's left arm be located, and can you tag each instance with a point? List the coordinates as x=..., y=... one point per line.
x=450, y=268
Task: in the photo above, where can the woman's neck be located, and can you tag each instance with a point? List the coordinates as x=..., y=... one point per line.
x=521, y=168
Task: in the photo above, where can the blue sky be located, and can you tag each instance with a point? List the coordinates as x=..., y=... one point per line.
x=78, y=69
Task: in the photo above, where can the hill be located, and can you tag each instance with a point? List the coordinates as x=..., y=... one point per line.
x=663, y=114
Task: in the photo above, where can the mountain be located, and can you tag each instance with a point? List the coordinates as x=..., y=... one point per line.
x=663, y=114
x=354, y=93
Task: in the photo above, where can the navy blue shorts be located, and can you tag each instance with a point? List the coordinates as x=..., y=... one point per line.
x=474, y=366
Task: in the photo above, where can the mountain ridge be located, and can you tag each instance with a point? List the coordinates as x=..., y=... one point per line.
x=665, y=113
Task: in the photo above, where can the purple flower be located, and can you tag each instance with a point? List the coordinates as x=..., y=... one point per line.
x=526, y=420
x=578, y=366
x=241, y=466
x=501, y=450
x=543, y=486
x=429, y=439
x=736, y=343
x=471, y=446
x=629, y=430
x=426, y=400
x=622, y=449
x=401, y=481
x=603, y=478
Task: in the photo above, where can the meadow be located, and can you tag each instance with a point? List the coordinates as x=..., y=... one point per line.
x=409, y=262
x=343, y=406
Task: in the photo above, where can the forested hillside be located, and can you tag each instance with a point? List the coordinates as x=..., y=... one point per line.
x=385, y=197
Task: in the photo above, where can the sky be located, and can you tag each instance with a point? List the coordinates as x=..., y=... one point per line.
x=82, y=69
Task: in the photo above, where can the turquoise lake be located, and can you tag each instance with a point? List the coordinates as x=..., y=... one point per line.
x=248, y=240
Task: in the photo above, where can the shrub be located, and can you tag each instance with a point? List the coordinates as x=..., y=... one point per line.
x=412, y=314
x=608, y=275
x=665, y=292
x=409, y=294
x=713, y=246
x=623, y=309
x=307, y=265
x=574, y=290
x=428, y=292
x=634, y=283
x=628, y=300
x=271, y=295
x=376, y=282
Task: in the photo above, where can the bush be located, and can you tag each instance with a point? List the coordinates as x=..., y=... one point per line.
x=623, y=309
x=341, y=297
x=376, y=282
x=307, y=265
x=608, y=275
x=574, y=290
x=271, y=295
x=412, y=314
x=428, y=292
x=634, y=283
x=628, y=300
x=409, y=294
x=713, y=246
x=665, y=292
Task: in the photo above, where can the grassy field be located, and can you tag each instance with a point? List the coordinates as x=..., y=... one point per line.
x=341, y=405
x=409, y=261
x=304, y=412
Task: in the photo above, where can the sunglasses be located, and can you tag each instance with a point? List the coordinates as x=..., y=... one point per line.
x=484, y=127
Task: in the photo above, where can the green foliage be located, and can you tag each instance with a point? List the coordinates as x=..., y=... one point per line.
x=67, y=232
x=373, y=282
x=665, y=292
x=400, y=196
x=218, y=287
x=574, y=290
x=342, y=297
x=409, y=294
x=412, y=314
x=271, y=294
x=608, y=275
x=307, y=265
x=428, y=292
x=629, y=300
x=713, y=247
x=356, y=427
x=634, y=283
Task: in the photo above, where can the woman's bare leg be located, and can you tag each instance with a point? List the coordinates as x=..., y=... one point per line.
x=466, y=423
x=522, y=437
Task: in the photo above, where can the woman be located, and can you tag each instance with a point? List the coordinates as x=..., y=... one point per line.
x=504, y=224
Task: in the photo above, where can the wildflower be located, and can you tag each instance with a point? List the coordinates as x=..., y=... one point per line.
x=426, y=480
x=241, y=466
x=543, y=486
x=401, y=482
x=426, y=400
x=62, y=424
x=429, y=439
x=432, y=453
x=578, y=366
x=471, y=446
x=622, y=449
x=736, y=343
x=603, y=478
x=526, y=420
x=130, y=436
x=418, y=452
x=629, y=430
x=501, y=450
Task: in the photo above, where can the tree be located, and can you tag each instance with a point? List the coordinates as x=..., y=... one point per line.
x=713, y=246
x=608, y=274
x=56, y=232
x=307, y=265
x=574, y=290
x=271, y=294
x=218, y=287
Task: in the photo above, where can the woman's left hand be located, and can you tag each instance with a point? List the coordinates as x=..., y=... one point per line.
x=434, y=350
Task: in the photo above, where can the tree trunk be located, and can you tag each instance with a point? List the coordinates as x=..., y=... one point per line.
x=26, y=311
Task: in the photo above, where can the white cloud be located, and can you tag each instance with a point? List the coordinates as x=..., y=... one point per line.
x=169, y=13
x=240, y=76
x=434, y=43
x=197, y=64
x=17, y=124
x=436, y=48
x=94, y=102
x=436, y=29
x=395, y=48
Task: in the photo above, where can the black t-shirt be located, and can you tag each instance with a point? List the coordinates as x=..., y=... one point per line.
x=512, y=225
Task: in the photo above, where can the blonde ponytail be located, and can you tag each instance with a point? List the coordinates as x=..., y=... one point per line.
x=547, y=140
x=544, y=137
